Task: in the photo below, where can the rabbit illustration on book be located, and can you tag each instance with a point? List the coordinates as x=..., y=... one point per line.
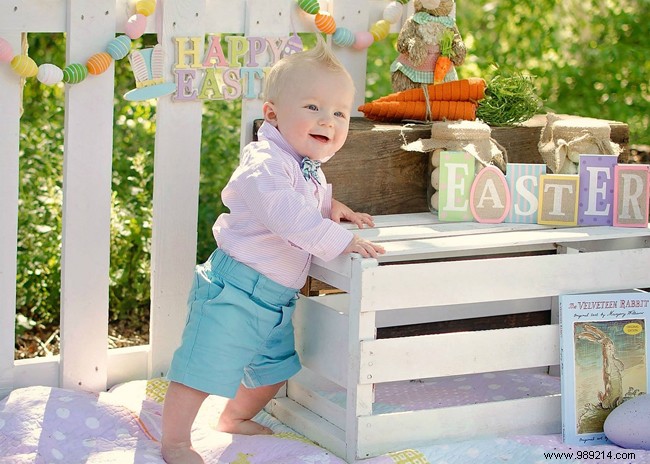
x=612, y=366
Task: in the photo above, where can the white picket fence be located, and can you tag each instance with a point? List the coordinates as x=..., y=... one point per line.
x=85, y=362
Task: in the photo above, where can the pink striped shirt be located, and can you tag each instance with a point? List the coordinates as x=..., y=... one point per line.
x=277, y=219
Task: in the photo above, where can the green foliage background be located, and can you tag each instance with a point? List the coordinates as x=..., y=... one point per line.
x=589, y=58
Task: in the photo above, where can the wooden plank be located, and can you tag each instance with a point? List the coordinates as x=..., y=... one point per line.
x=304, y=389
x=126, y=364
x=311, y=425
x=516, y=240
x=43, y=371
x=383, y=433
x=322, y=339
x=418, y=285
x=473, y=352
x=87, y=173
x=394, y=181
x=175, y=195
x=10, y=101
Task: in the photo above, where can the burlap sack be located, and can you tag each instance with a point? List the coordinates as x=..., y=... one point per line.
x=563, y=140
x=472, y=136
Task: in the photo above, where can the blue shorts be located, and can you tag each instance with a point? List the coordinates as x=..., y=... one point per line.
x=238, y=330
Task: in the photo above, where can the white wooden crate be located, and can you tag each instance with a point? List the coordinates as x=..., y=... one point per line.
x=435, y=271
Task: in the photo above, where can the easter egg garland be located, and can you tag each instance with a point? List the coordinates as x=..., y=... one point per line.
x=342, y=36
x=118, y=48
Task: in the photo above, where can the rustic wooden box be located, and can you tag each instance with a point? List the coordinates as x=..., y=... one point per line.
x=371, y=173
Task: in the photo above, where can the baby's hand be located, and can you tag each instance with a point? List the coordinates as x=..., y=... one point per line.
x=341, y=211
x=364, y=247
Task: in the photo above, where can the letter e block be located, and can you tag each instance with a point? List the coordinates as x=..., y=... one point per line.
x=456, y=177
x=596, y=197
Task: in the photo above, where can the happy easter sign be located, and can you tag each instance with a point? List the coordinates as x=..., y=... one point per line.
x=228, y=69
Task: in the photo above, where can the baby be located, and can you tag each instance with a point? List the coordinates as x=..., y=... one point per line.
x=238, y=341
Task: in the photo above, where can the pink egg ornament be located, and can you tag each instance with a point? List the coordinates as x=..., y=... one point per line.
x=363, y=40
x=6, y=53
x=135, y=26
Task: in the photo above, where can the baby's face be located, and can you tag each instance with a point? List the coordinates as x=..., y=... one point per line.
x=313, y=111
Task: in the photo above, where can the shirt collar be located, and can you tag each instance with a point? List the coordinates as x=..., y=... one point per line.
x=270, y=133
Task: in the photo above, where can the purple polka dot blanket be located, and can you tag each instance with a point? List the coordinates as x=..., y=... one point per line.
x=52, y=425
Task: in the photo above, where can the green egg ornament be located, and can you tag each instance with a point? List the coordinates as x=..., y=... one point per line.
x=74, y=73
x=309, y=6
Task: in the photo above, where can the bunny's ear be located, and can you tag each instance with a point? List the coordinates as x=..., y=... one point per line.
x=596, y=331
x=588, y=336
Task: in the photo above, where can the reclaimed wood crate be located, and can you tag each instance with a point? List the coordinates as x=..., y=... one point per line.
x=371, y=173
x=432, y=272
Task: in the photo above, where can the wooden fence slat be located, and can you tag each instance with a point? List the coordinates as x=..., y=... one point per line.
x=87, y=159
x=175, y=195
x=9, y=146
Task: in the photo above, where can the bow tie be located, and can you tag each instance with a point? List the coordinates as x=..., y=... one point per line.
x=309, y=169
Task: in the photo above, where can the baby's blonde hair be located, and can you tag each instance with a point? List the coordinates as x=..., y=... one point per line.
x=320, y=55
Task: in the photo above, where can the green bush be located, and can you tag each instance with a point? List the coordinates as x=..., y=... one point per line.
x=588, y=58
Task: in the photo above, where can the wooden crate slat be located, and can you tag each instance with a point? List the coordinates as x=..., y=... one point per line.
x=382, y=433
x=458, y=353
x=418, y=285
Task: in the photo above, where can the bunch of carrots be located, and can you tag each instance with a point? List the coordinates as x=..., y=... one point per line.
x=446, y=101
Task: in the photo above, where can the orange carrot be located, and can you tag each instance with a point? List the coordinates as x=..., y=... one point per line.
x=393, y=111
x=443, y=63
x=472, y=89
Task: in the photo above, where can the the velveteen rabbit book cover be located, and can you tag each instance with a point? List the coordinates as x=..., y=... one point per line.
x=603, y=359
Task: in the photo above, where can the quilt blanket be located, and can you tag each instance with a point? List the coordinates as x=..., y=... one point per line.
x=46, y=425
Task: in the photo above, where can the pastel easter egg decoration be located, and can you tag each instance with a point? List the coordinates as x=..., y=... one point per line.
x=393, y=12
x=145, y=7
x=343, y=37
x=380, y=30
x=98, y=63
x=74, y=73
x=24, y=66
x=325, y=23
x=363, y=40
x=309, y=6
x=6, y=53
x=49, y=74
x=119, y=47
x=628, y=425
x=135, y=26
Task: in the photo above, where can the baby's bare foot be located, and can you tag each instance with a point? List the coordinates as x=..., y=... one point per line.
x=181, y=454
x=243, y=427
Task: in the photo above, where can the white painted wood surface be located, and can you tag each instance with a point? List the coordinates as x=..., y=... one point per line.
x=447, y=271
x=9, y=136
x=87, y=173
x=90, y=25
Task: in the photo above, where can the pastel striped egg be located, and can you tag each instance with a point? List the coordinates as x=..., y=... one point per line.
x=74, y=73
x=98, y=63
x=49, y=74
x=343, y=37
x=136, y=26
x=6, y=53
x=309, y=6
x=393, y=12
x=380, y=30
x=119, y=47
x=145, y=7
x=24, y=66
x=325, y=23
x=362, y=40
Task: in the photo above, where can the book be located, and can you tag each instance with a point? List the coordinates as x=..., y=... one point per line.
x=604, y=347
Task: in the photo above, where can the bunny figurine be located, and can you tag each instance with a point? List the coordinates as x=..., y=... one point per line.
x=430, y=46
